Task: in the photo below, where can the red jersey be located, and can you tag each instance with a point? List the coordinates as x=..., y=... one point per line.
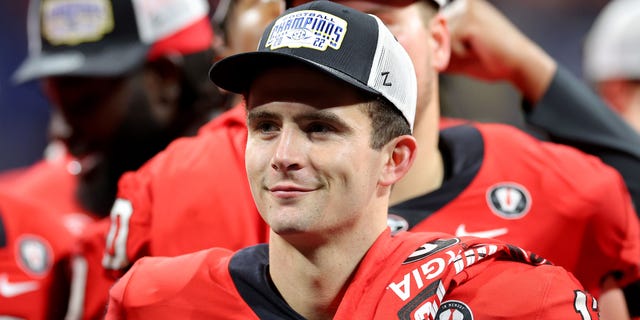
x=92, y=278
x=51, y=183
x=550, y=199
x=35, y=259
x=192, y=196
x=426, y=276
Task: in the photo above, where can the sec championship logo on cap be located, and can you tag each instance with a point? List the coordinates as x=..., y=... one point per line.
x=76, y=21
x=307, y=29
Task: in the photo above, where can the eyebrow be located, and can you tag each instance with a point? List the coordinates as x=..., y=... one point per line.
x=318, y=115
x=253, y=115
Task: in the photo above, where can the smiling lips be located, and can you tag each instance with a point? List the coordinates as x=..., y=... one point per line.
x=288, y=191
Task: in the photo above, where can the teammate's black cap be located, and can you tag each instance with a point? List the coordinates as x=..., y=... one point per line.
x=109, y=37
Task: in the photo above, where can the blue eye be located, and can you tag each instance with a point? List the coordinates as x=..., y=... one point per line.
x=266, y=127
x=318, y=127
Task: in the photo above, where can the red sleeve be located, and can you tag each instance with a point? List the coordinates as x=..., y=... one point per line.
x=520, y=291
x=614, y=242
x=194, y=286
x=195, y=187
x=128, y=236
x=116, y=296
x=610, y=242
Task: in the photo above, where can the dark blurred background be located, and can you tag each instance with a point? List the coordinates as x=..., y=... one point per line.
x=558, y=26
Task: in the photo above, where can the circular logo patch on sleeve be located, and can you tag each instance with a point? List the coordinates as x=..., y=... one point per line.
x=34, y=255
x=454, y=310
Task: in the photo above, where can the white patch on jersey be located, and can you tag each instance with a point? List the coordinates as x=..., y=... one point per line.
x=307, y=29
x=397, y=223
x=34, y=255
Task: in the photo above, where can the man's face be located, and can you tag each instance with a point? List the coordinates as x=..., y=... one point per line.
x=308, y=157
x=111, y=129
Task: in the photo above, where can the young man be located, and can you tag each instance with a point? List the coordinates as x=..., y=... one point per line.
x=331, y=100
x=603, y=209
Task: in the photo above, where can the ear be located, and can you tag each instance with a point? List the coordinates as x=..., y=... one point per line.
x=163, y=83
x=402, y=152
x=440, y=42
x=617, y=94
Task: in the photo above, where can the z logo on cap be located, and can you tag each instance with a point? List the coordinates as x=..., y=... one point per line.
x=307, y=29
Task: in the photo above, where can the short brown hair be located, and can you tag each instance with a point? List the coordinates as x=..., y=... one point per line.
x=387, y=122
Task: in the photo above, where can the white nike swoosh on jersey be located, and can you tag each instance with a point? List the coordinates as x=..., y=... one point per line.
x=12, y=289
x=462, y=232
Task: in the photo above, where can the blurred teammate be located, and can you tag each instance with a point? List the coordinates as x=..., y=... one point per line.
x=329, y=132
x=125, y=78
x=188, y=189
x=610, y=63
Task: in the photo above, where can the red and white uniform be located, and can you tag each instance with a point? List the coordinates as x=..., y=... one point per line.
x=409, y=276
x=51, y=183
x=35, y=261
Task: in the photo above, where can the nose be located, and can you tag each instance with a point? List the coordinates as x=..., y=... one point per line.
x=59, y=129
x=289, y=151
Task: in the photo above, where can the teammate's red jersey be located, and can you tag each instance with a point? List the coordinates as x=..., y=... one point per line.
x=35, y=258
x=409, y=276
x=192, y=196
x=550, y=199
x=51, y=182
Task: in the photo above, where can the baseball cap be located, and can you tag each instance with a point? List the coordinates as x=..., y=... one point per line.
x=110, y=37
x=342, y=42
x=395, y=3
x=612, y=46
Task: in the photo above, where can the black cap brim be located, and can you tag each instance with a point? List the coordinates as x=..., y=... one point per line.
x=236, y=73
x=103, y=63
